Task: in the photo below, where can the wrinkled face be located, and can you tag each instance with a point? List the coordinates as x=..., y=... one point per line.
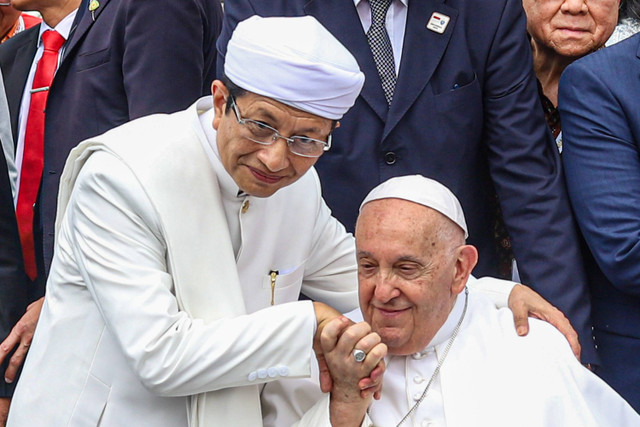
x=406, y=273
x=261, y=170
x=571, y=28
x=8, y=17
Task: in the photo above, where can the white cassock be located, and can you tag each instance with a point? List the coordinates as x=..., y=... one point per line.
x=161, y=284
x=491, y=377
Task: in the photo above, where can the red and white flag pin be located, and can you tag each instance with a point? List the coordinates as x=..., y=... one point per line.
x=438, y=22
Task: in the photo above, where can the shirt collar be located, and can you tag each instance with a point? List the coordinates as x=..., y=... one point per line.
x=63, y=28
x=404, y=2
x=229, y=188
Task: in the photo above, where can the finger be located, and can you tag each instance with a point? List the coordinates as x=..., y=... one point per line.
x=15, y=362
x=372, y=381
x=326, y=382
x=9, y=343
x=350, y=337
x=331, y=332
x=561, y=323
x=375, y=365
x=522, y=323
x=368, y=342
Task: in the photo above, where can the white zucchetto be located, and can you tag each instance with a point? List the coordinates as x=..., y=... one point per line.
x=424, y=191
x=295, y=61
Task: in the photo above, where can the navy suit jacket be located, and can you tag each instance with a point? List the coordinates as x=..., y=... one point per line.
x=13, y=281
x=135, y=59
x=599, y=101
x=466, y=113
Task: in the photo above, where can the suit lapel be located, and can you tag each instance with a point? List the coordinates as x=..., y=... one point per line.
x=421, y=53
x=84, y=23
x=339, y=17
x=16, y=73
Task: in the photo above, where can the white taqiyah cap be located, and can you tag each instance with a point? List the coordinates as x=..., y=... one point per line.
x=424, y=191
x=295, y=61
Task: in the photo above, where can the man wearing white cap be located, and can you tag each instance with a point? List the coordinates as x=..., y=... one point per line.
x=454, y=359
x=179, y=245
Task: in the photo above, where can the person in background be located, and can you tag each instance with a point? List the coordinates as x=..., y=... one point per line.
x=13, y=281
x=13, y=21
x=598, y=101
x=628, y=22
x=562, y=31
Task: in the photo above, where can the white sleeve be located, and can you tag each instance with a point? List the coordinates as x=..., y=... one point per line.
x=331, y=274
x=119, y=249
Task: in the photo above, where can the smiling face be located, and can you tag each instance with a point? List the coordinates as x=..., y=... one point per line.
x=571, y=28
x=261, y=170
x=412, y=262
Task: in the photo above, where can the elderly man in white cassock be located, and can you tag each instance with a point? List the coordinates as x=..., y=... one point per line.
x=185, y=240
x=454, y=359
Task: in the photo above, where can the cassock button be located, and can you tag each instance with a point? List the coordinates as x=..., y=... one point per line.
x=418, y=379
x=283, y=371
x=245, y=206
x=416, y=356
x=390, y=157
x=425, y=423
x=272, y=372
x=417, y=396
x=252, y=376
x=262, y=373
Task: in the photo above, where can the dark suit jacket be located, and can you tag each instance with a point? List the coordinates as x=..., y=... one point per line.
x=598, y=101
x=13, y=281
x=137, y=58
x=465, y=112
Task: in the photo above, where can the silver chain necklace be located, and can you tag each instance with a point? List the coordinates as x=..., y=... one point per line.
x=444, y=356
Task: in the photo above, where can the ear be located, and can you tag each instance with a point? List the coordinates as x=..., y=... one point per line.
x=466, y=260
x=220, y=95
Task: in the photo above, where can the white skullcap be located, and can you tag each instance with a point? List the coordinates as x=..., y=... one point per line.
x=295, y=61
x=424, y=191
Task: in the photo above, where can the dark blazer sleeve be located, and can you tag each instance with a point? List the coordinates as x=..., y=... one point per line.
x=13, y=282
x=168, y=43
x=528, y=177
x=600, y=125
x=234, y=12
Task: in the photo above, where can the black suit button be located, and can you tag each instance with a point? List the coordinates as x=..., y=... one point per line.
x=390, y=157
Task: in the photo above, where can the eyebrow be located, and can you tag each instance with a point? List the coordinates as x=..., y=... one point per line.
x=410, y=258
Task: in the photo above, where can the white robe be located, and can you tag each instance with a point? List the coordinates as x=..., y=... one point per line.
x=492, y=377
x=143, y=243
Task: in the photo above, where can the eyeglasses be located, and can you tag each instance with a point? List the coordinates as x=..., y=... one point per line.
x=266, y=135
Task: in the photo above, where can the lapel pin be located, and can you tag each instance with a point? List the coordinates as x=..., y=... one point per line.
x=93, y=6
x=438, y=22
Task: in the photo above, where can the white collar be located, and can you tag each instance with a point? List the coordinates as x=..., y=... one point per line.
x=63, y=28
x=228, y=186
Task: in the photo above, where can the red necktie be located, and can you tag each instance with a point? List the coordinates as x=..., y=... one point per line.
x=33, y=158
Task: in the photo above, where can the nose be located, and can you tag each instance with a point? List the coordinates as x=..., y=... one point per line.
x=574, y=7
x=385, y=290
x=275, y=156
